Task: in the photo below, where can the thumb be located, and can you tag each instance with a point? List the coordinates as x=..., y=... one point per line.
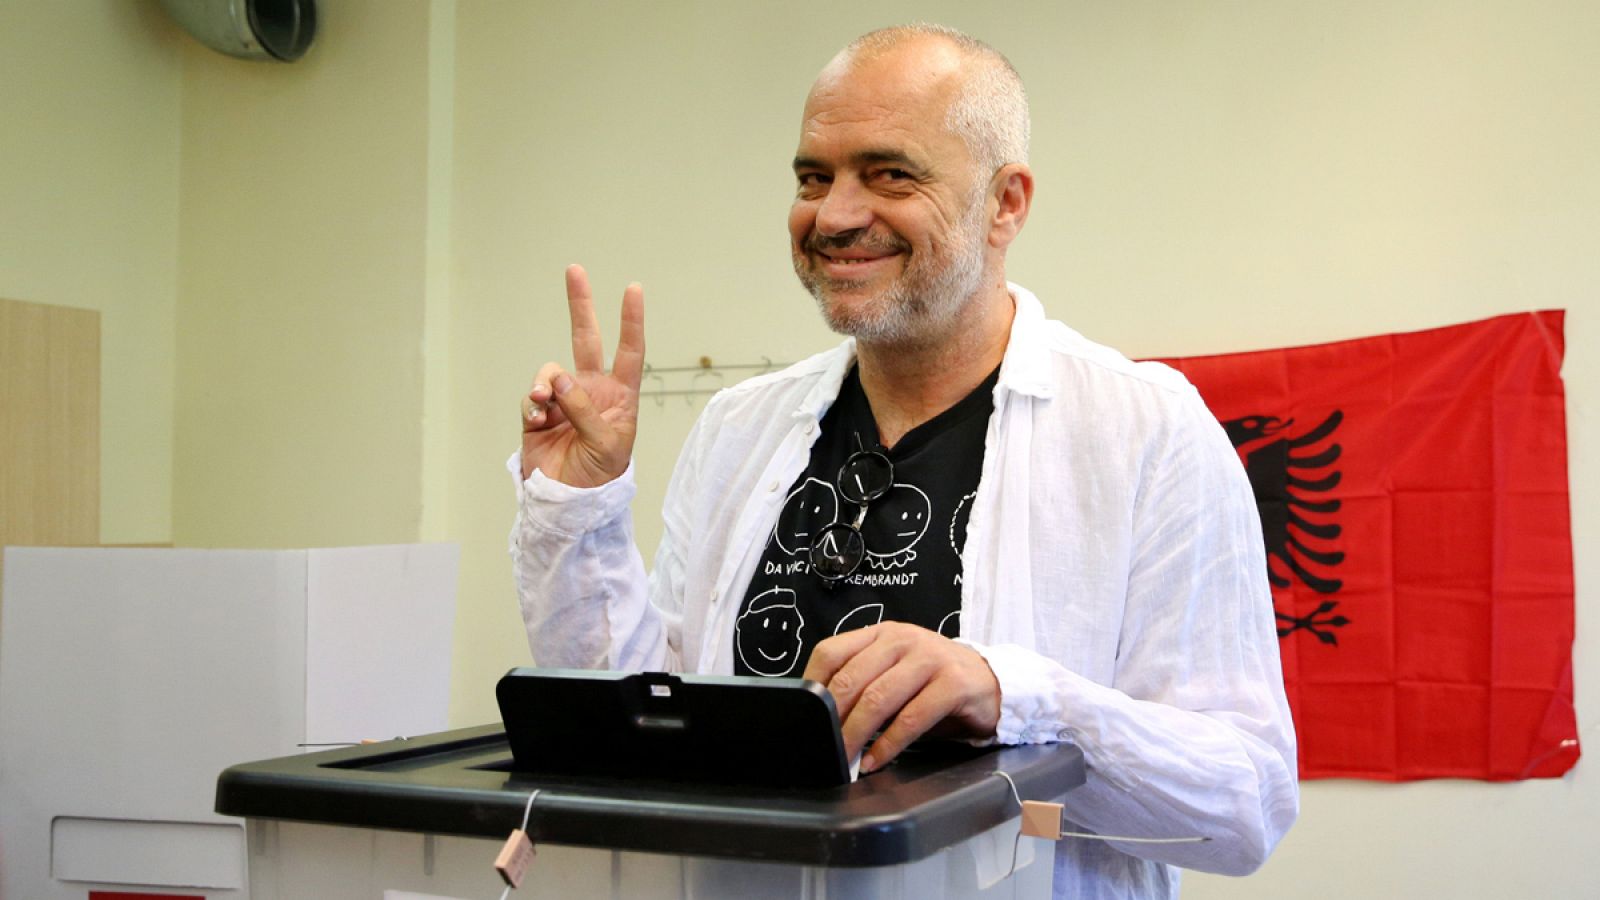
x=578, y=407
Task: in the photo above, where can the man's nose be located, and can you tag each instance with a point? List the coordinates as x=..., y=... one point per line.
x=845, y=208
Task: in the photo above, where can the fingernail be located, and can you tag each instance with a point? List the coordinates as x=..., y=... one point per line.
x=868, y=764
x=563, y=384
x=541, y=388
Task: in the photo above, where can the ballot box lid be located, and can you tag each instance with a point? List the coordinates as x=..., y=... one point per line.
x=463, y=782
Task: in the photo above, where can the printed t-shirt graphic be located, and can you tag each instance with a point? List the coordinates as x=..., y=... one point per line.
x=913, y=533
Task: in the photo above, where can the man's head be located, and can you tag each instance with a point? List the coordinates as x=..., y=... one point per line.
x=990, y=109
x=913, y=180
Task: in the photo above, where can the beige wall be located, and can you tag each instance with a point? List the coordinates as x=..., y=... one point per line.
x=89, y=218
x=304, y=215
x=324, y=284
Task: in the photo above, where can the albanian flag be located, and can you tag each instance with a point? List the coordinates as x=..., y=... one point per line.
x=1413, y=498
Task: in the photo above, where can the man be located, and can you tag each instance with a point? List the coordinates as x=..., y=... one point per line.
x=1042, y=540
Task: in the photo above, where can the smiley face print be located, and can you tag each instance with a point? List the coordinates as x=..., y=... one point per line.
x=950, y=625
x=958, y=523
x=767, y=636
x=897, y=521
x=812, y=507
x=860, y=617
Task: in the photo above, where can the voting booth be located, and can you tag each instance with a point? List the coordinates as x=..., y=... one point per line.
x=427, y=816
x=130, y=677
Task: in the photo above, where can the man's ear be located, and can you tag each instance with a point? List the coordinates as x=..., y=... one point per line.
x=1012, y=190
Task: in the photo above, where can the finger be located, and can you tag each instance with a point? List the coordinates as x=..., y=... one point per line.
x=830, y=655
x=628, y=367
x=542, y=390
x=537, y=410
x=588, y=355
x=882, y=698
x=540, y=416
x=920, y=713
x=851, y=682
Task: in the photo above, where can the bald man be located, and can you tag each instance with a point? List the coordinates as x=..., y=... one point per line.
x=966, y=520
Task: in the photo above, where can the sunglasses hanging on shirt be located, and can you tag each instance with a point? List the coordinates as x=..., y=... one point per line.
x=837, y=550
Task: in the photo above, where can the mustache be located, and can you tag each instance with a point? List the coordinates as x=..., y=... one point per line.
x=860, y=238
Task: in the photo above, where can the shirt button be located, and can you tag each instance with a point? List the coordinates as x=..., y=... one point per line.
x=773, y=487
x=1064, y=734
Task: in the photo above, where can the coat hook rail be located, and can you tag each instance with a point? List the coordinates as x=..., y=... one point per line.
x=704, y=379
x=705, y=364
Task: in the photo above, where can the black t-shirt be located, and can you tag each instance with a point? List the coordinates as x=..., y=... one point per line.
x=913, y=534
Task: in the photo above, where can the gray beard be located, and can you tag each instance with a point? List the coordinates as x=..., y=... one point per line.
x=915, y=310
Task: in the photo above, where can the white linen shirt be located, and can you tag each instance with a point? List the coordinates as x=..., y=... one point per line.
x=1114, y=580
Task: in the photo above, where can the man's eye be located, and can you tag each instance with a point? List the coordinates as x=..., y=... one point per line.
x=811, y=179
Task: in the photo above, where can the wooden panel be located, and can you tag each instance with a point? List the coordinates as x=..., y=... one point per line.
x=49, y=425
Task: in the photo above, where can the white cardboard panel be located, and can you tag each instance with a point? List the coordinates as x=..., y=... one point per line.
x=379, y=622
x=130, y=678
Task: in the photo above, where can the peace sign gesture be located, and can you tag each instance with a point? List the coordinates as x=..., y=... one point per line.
x=578, y=427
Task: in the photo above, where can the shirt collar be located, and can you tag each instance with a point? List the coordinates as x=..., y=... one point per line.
x=832, y=366
x=1025, y=368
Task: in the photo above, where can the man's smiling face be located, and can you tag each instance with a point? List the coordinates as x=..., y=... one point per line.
x=887, y=229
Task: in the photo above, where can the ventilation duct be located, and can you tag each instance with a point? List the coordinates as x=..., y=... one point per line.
x=249, y=29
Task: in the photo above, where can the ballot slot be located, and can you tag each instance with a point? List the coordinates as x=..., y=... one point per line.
x=400, y=754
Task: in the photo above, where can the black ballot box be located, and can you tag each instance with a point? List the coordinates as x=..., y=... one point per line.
x=428, y=815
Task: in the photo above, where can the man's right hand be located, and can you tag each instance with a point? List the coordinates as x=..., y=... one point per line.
x=578, y=427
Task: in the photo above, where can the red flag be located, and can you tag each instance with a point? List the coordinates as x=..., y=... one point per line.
x=1413, y=496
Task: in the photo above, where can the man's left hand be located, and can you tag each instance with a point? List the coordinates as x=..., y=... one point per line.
x=922, y=680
